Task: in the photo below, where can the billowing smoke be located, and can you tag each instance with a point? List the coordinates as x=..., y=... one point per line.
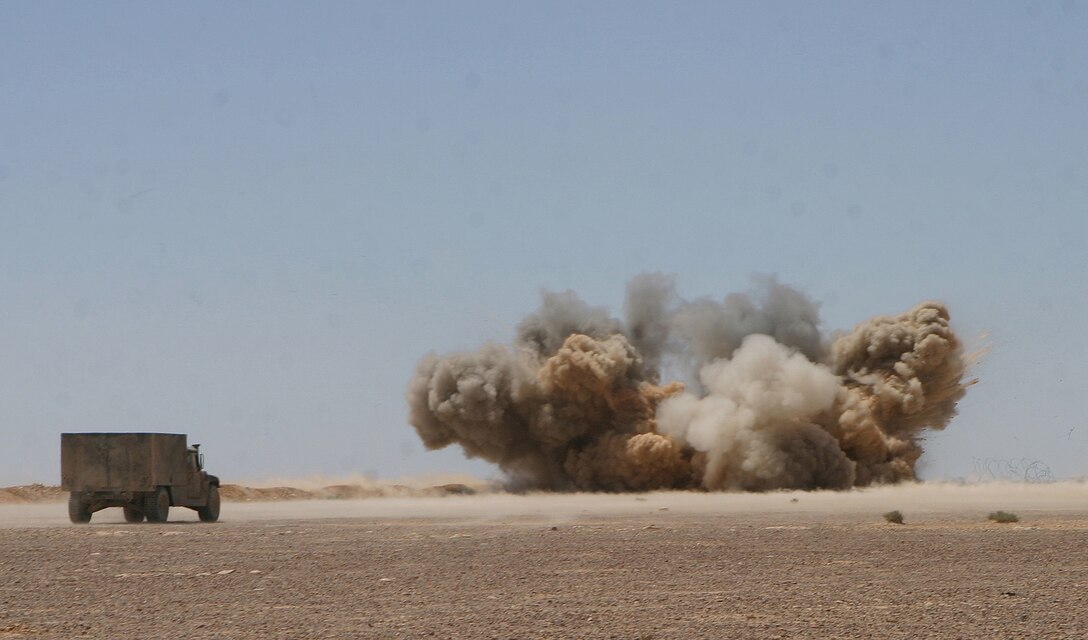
x=576, y=402
x=755, y=427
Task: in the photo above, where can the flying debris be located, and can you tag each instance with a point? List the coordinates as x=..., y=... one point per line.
x=773, y=402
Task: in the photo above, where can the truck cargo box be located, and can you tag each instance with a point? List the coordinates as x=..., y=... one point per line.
x=121, y=461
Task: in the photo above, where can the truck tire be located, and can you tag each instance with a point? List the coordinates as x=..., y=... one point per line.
x=210, y=511
x=132, y=514
x=157, y=505
x=78, y=512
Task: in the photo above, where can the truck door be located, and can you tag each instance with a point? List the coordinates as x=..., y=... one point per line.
x=194, y=479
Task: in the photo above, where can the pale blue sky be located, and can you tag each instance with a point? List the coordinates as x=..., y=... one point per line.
x=248, y=221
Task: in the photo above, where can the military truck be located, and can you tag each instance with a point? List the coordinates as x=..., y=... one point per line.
x=143, y=473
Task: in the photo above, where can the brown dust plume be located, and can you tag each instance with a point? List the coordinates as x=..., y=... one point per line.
x=772, y=402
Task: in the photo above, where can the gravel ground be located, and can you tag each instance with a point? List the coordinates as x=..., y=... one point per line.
x=655, y=573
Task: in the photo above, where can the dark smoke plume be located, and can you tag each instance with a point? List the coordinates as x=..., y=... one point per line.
x=576, y=402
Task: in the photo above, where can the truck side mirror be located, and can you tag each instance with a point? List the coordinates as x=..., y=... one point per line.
x=200, y=461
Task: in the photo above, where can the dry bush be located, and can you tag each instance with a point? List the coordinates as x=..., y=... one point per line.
x=895, y=517
x=1003, y=516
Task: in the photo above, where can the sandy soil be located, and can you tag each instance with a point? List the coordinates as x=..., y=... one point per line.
x=663, y=565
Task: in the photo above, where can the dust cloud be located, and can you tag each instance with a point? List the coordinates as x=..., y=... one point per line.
x=772, y=401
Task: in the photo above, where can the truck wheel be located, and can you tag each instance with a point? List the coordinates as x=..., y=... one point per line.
x=210, y=511
x=132, y=514
x=78, y=512
x=157, y=505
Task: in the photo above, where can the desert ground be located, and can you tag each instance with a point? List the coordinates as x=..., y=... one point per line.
x=496, y=565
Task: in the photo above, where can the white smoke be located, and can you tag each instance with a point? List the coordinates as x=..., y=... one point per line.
x=755, y=425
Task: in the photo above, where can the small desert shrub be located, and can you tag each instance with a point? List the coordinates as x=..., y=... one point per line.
x=894, y=516
x=1003, y=516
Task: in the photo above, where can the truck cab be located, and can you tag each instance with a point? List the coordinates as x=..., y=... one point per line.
x=196, y=478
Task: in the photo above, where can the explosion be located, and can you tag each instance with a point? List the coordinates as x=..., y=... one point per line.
x=576, y=403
